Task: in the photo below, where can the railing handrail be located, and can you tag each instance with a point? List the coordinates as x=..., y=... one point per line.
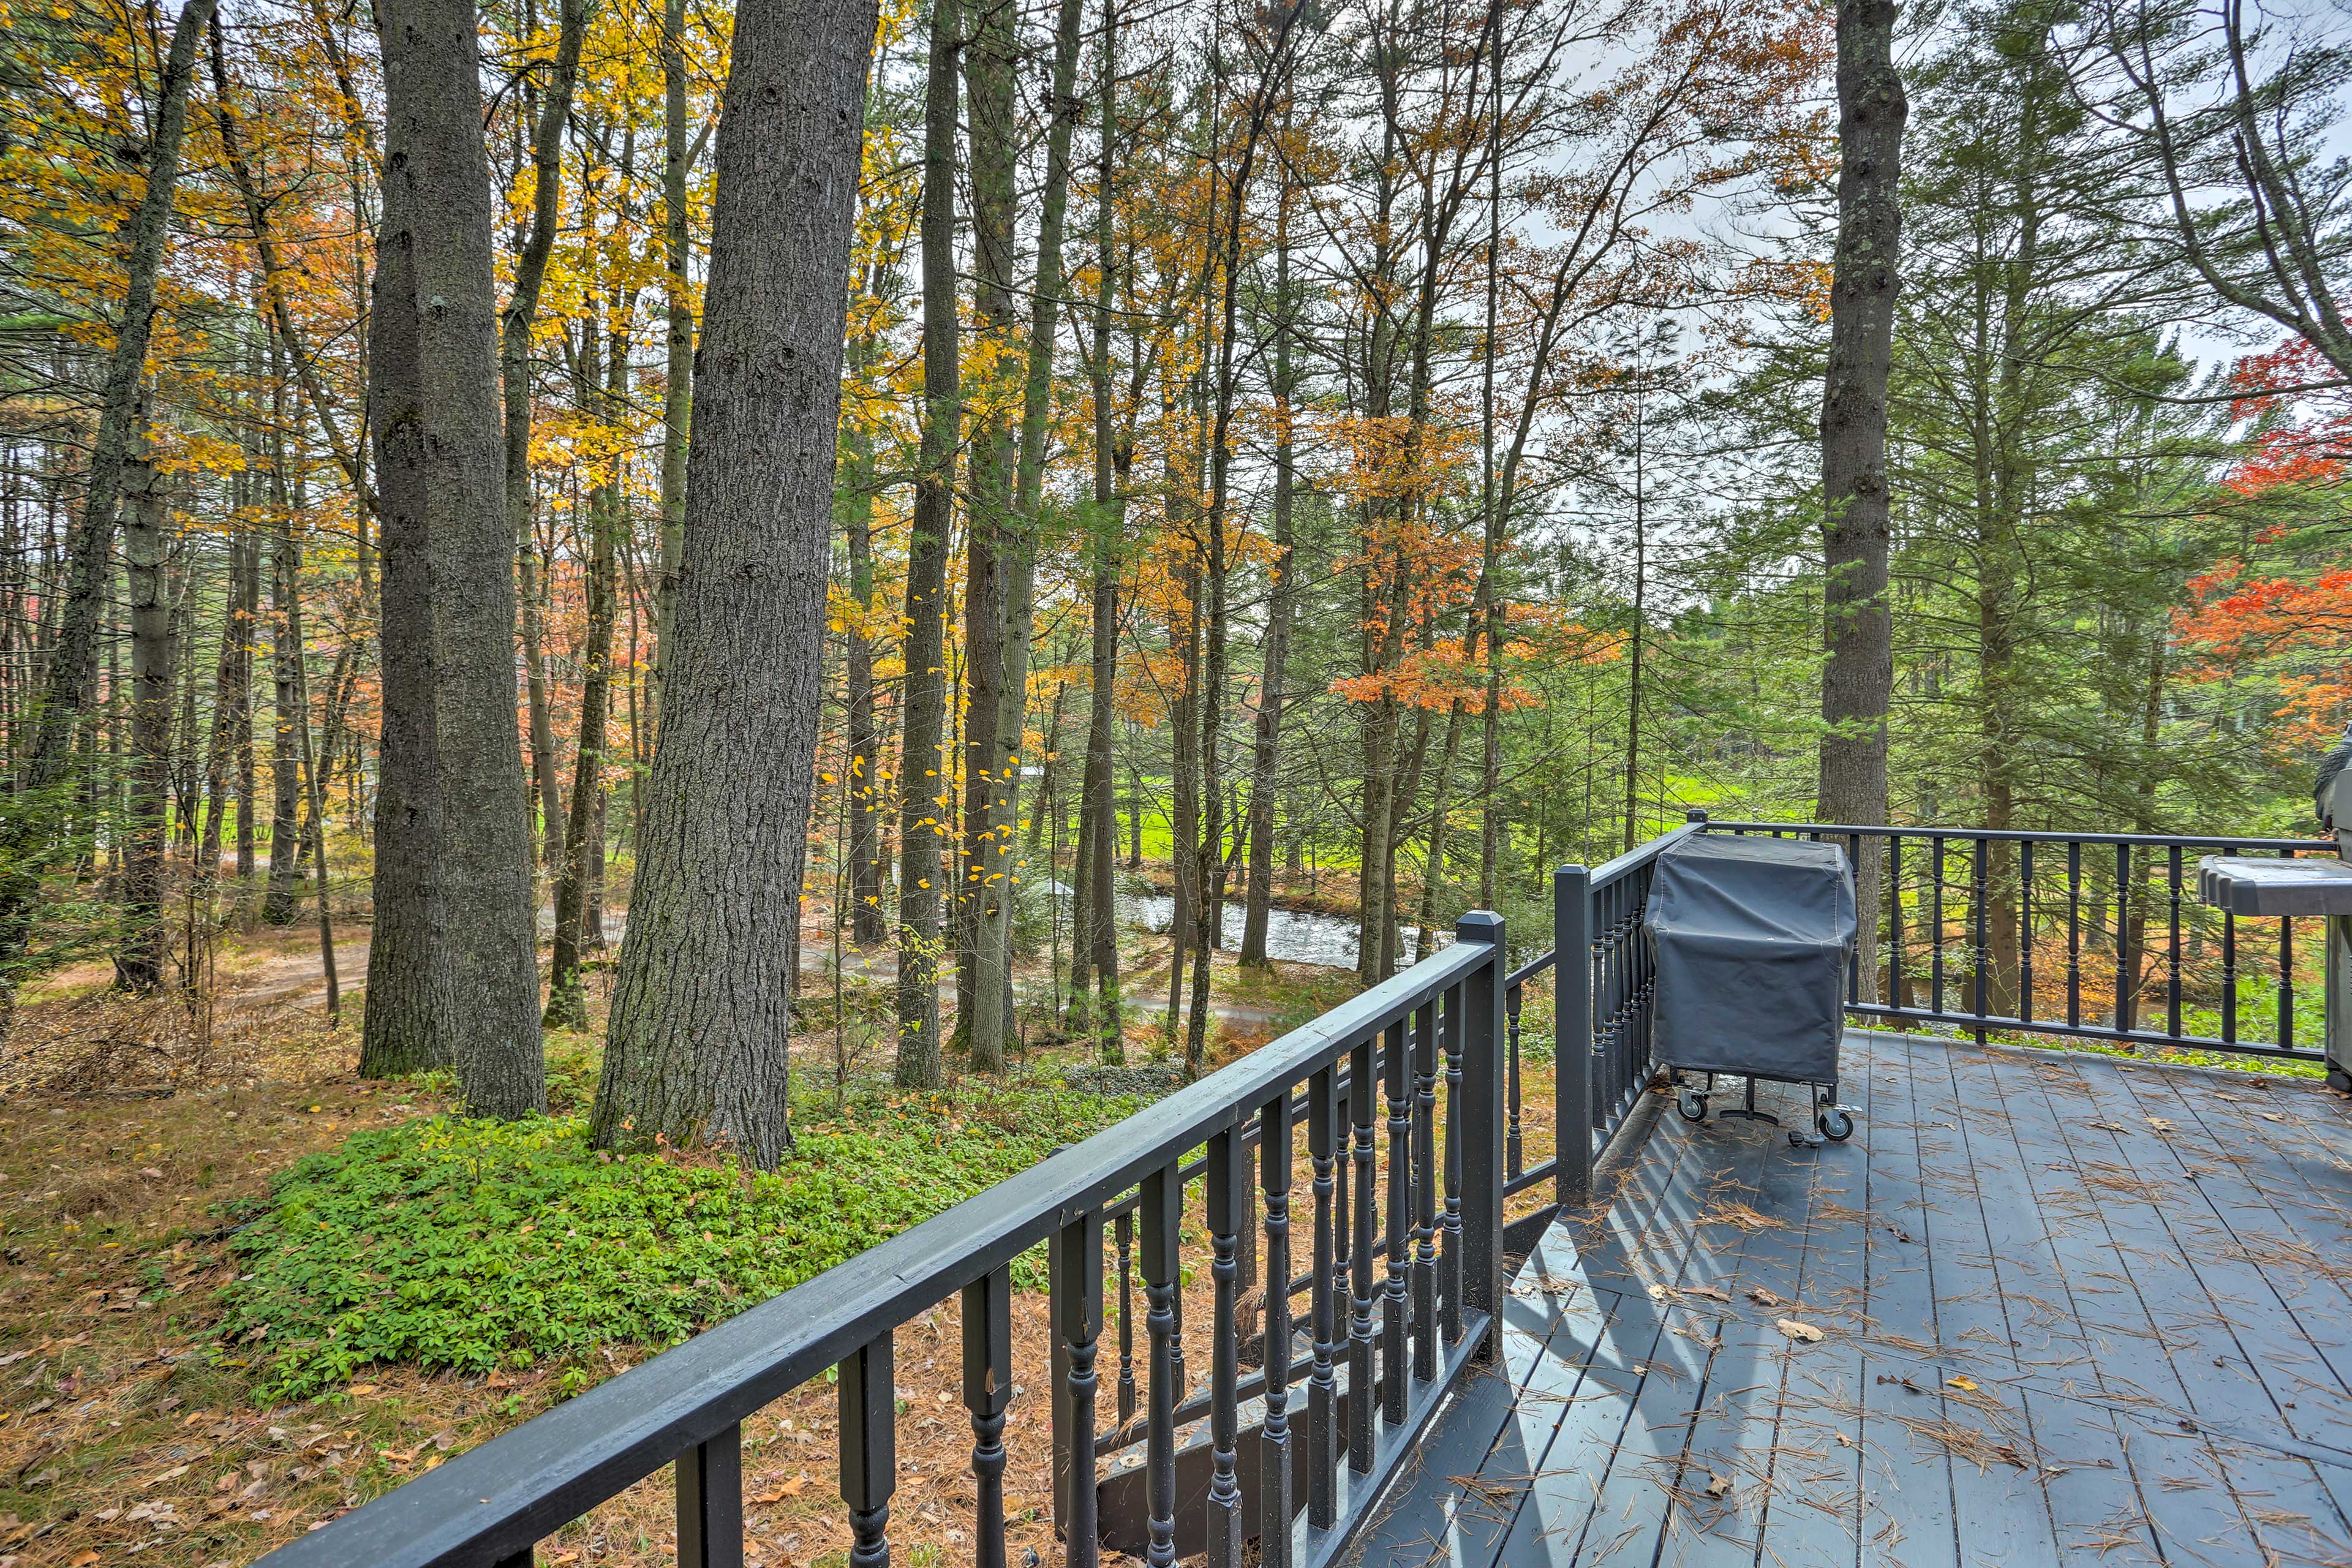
x=1640, y=854
x=523, y=1485
x=2029, y=836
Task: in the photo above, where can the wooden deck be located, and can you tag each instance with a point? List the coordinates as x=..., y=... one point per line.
x=2068, y=1310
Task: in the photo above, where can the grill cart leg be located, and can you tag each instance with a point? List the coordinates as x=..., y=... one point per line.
x=1833, y=1120
x=2339, y=1008
x=1750, y=1113
x=1691, y=1103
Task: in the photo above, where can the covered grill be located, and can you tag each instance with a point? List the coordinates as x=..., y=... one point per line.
x=1751, y=938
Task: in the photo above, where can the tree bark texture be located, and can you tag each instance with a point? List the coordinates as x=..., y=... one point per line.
x=697, y=1045
x=139, y=962
x=434, y=128
x=862, y=786
x=992, y=981
x=1095, y=934
x=923, y=787
x=405, y=1024
x=678, y=388
x=989, y=64
x=277, y=905
x=1275, y=649
x=1858, y=678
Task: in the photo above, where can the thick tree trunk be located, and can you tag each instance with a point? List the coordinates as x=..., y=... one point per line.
x=139, y=962
x=924, y=788
x=405, y=1025
x=434, y=131
x=89, y=549
x=1858, y=678
x=696, y=1050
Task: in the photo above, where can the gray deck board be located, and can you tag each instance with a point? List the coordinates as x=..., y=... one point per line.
x=2054, y=1331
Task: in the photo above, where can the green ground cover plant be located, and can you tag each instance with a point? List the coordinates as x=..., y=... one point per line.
x=477, y=1245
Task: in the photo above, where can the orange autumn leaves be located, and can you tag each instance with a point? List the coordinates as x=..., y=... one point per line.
x=2298, y=623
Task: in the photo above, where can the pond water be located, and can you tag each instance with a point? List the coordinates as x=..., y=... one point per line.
x=1293, y=936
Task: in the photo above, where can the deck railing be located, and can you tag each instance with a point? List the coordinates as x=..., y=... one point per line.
x=2095, y=936
x=1403, y=1292
x=1601, y=1009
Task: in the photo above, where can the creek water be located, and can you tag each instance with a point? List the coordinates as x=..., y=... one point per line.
x=1293, y=936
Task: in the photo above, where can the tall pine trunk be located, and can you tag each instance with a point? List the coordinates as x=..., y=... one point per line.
x=924, y=788
x=405, y=1023
x=1274, y=649
x=992, y=987
x=1858, y=678
x=677, y=310
x=1096, y=931
x=863, y=785
x=697, y=1047
x=988, y=68
x=433, y=134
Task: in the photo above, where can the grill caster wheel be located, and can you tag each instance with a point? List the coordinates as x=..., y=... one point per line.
x=1834, y=1125
x=1691, y=1107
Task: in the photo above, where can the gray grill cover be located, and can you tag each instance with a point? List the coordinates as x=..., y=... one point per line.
x=1752, y=937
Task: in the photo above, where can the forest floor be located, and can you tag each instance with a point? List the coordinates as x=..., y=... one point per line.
x=135, y=1137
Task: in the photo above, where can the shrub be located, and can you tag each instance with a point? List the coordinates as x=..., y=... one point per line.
x=475, y=1244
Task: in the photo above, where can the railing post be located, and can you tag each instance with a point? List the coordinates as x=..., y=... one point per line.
x=711, y=1502
x=869, y=1450
x=1481, y=1130
x=1571, y=990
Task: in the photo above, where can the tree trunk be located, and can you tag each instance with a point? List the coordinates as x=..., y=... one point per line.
x=988, y=68
x=532, y=248
x=433, y=134
x=230, y=683
x=90, y=551
x=1858, y=678
x=278, y=906
x=567, y=1001
x=696, y=1050
x=863, y=786
x=405, y=1023
x=924, y=791
x=308, y=761
x=993, y=980
x=139, y=962
x=677, y=387
x=1097, y=935
x=1274, y=651
x=248, y=786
